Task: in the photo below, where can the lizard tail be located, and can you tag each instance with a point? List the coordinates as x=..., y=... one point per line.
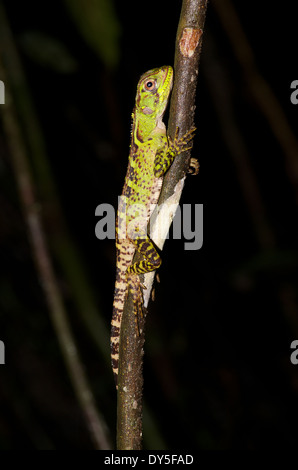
x=118, y=305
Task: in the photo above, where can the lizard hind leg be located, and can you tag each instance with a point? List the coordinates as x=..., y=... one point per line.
x=135, y=289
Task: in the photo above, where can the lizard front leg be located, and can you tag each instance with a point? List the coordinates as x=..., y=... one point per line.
x=165, y=156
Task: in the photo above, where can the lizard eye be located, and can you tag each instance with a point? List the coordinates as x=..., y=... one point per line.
x=150, y=85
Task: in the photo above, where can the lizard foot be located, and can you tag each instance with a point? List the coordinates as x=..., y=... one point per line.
x=194, y=167
x=182, y=144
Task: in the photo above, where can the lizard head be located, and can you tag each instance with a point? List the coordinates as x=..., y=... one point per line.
x=153, y=91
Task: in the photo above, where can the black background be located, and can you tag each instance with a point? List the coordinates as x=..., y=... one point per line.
x=217, y=365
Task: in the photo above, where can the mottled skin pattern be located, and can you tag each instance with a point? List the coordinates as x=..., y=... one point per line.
x=151, y=154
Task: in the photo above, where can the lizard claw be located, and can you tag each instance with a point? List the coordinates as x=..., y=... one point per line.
x=180, y=145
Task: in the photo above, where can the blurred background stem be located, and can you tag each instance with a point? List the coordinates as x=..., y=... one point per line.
x=60, y=240
x=32, y=213
x=58, y=236
x=218, y=84
x=260, y=88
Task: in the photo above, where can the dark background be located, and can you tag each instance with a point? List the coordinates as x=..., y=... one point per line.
x=217, y=364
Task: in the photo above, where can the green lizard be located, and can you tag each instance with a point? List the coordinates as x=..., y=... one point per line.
x=151, y=153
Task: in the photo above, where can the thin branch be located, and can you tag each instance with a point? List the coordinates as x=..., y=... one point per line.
x=95, y=422
x=130, y=379
x=130, y=382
